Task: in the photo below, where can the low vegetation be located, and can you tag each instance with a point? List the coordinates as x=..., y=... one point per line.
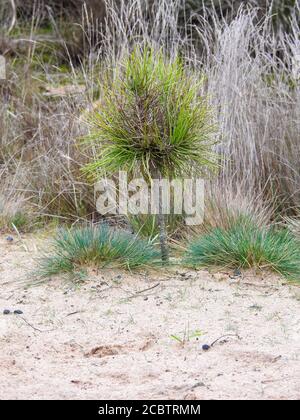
x=245, y=245
x=99, y=246
x=225, y=65
x=152, y=121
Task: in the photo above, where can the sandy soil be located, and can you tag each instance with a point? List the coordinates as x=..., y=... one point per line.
x=110, y=338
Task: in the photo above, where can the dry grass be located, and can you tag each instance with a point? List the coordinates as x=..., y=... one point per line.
x=293, y=223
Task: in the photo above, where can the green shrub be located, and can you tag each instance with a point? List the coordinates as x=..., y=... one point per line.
x=152, y=120
x=151, y=117
x=96, y=246
x=245, y=245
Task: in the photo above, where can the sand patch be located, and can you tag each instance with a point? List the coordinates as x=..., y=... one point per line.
x=112, y=337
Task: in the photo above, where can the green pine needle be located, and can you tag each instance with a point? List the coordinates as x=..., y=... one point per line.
x=151, y=116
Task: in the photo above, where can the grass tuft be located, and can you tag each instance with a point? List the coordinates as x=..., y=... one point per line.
x=96, y=246
x=245, y=245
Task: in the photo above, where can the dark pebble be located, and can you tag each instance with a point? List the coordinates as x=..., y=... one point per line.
x=18, y=312
x=205, y=347
x=6, y=312
x=9, y=239
x=237, y=272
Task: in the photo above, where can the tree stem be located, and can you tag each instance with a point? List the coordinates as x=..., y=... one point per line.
x=161, y=221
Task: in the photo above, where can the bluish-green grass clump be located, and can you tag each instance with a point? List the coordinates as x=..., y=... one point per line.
x=99, y=246
x=246, y=245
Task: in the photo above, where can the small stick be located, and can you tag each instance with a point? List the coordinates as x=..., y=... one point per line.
x=146, y=290
x=34, y=328
x=73, y=313
x=223, y=336
x=138, y=292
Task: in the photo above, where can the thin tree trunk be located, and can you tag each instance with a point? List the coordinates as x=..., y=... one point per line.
x=163, y=236
x=161, y=221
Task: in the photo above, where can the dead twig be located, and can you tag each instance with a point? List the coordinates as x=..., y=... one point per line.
x=33, y=327
x=224, y=336
x=139, y=292
x=146, y=290
x=74, y=313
